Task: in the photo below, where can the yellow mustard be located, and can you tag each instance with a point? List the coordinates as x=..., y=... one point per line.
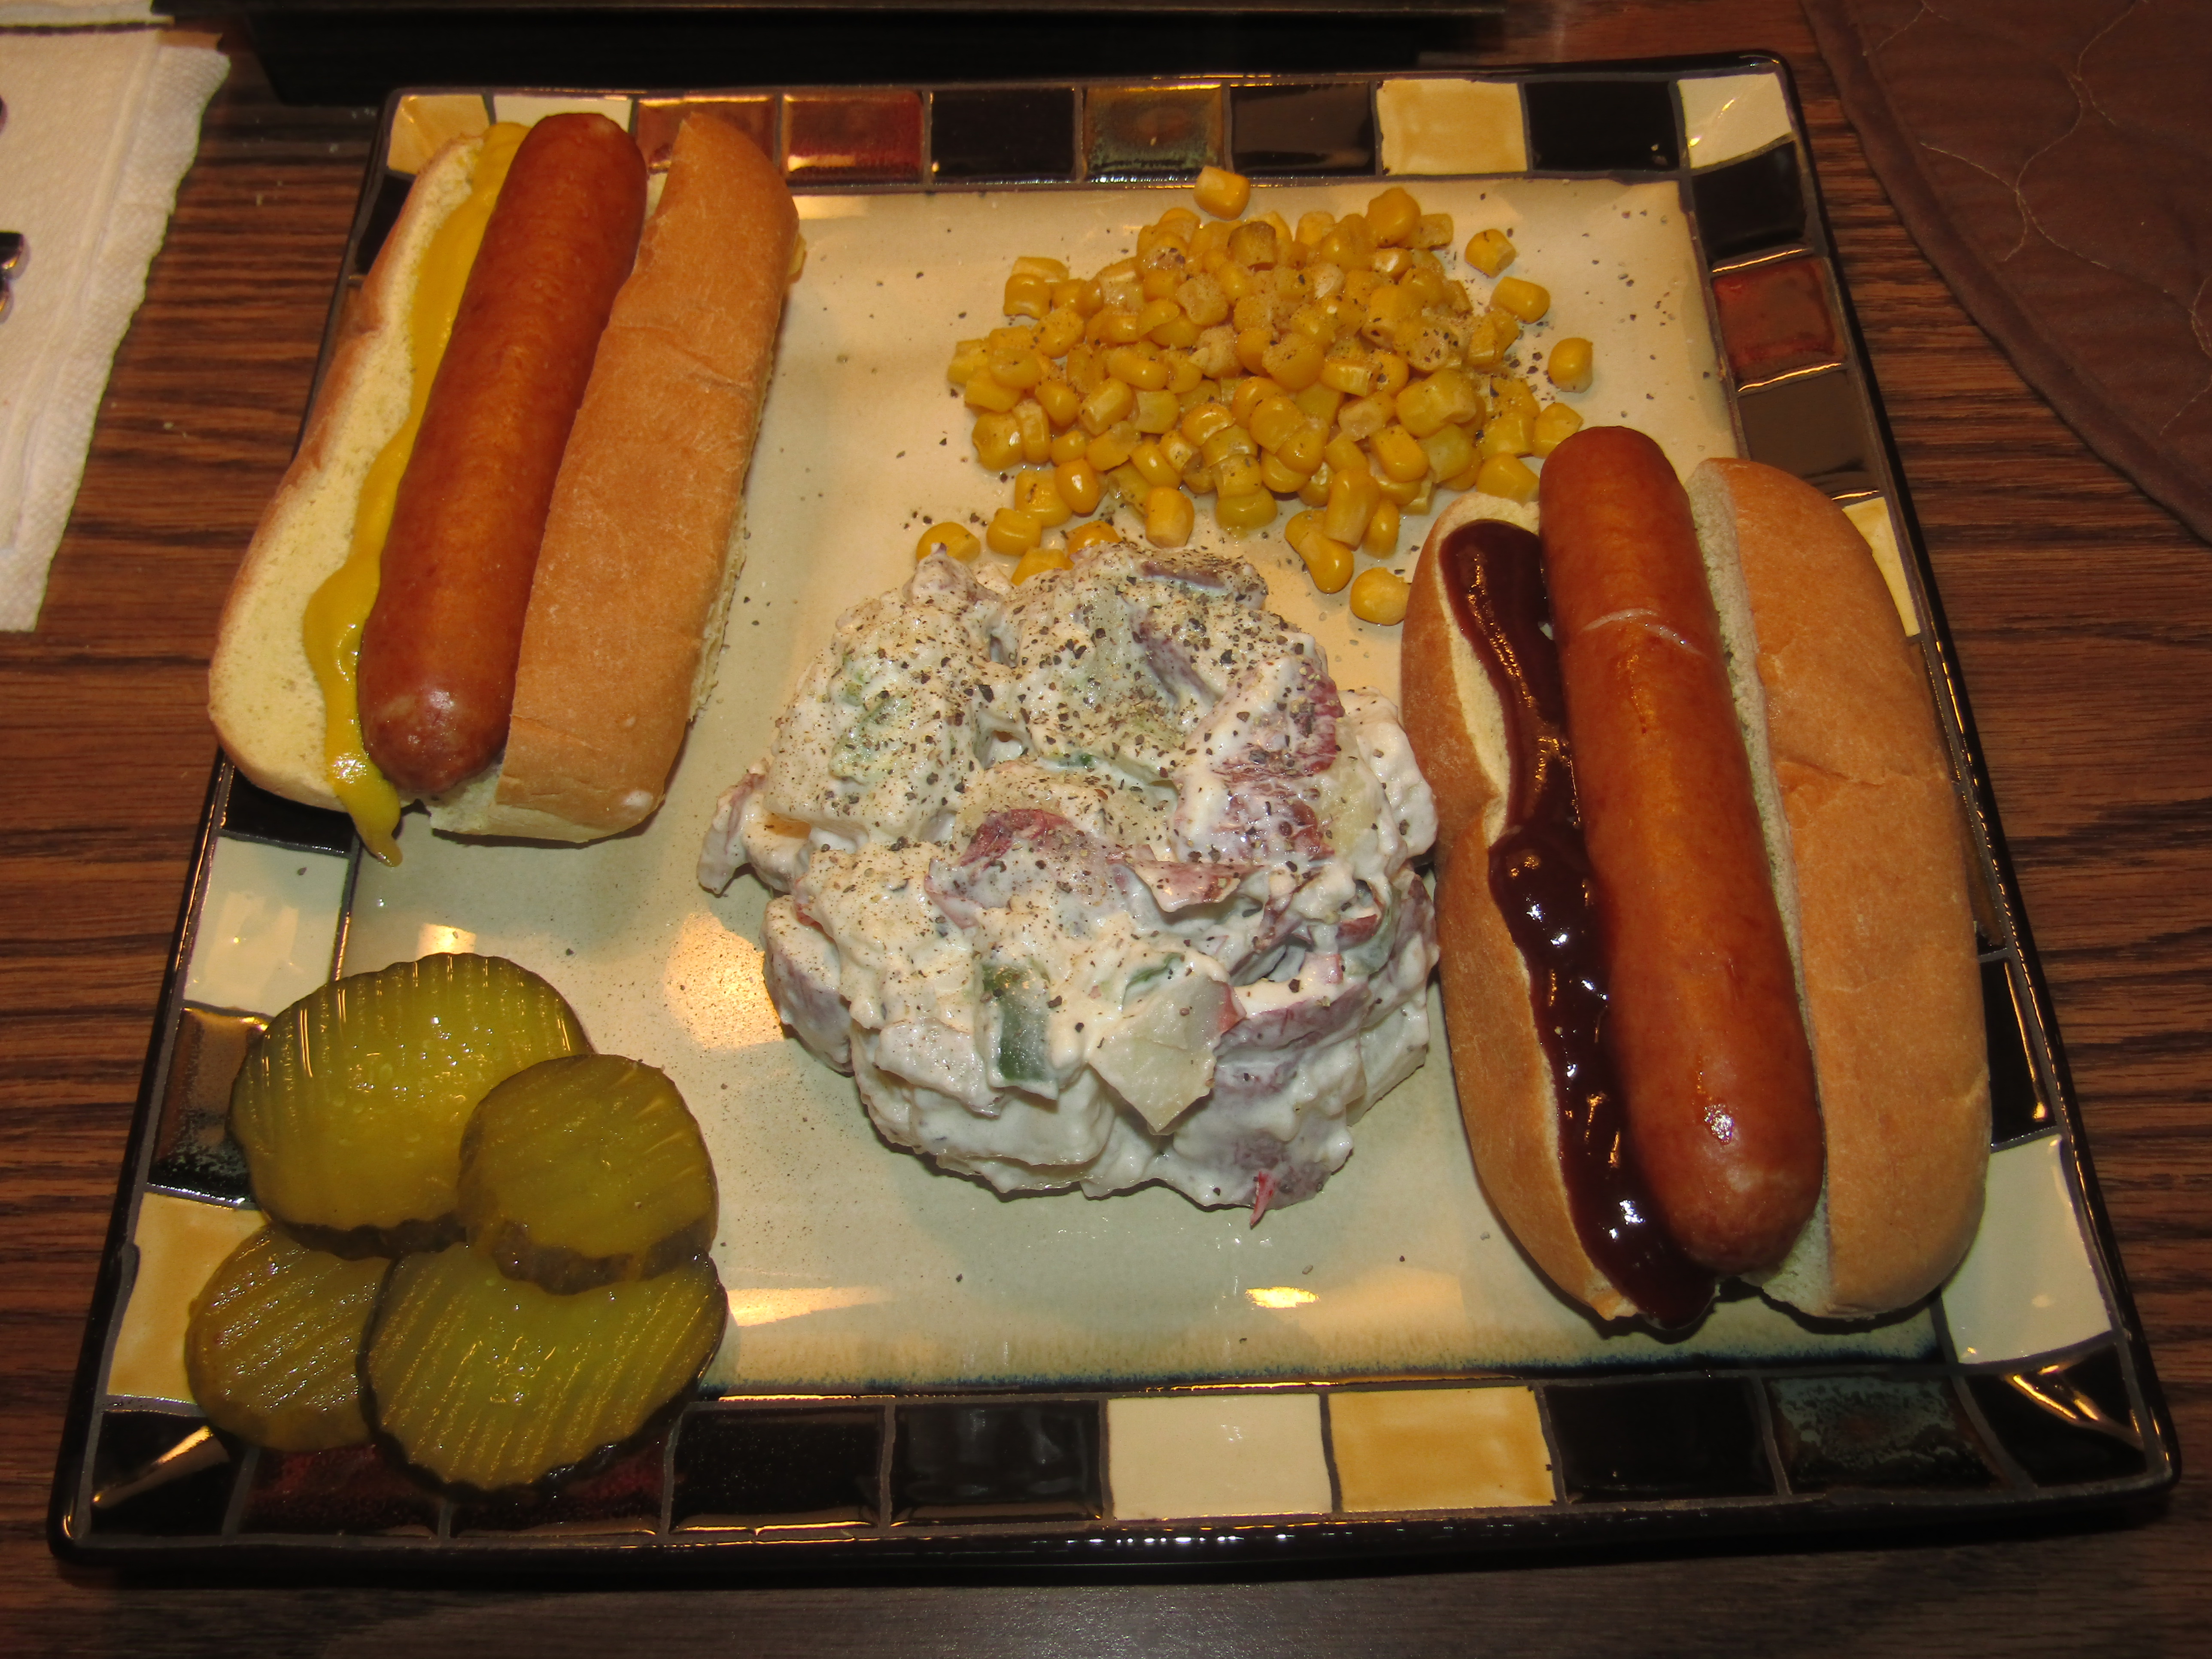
x=340, y=606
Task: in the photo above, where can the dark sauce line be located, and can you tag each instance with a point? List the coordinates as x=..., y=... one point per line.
x=1540, y=877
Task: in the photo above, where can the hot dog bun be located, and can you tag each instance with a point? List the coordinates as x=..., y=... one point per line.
x=1859, y=791
x=1892, y=993
x=641, y=547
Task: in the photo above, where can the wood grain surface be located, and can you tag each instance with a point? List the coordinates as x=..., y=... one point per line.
x=2083, y=615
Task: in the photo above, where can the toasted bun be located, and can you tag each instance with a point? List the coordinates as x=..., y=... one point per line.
x=1504, y=1078
x=262, y=695
x=641, y=547
x=1892, y=991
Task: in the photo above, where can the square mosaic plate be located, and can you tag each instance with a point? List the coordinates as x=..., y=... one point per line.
x=919, y=1370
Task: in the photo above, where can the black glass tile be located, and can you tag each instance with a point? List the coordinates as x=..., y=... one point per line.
x=769, y=1468
x=994, y=134
x=252, y=811
x=193, y=1151
x=390, y=196
x=1815, y=427
x=2016, y=1108
x=1669, y=1438
x=1602, y=126
x=348, y=1489
x=622, y=1497
x=1750, y=206
x=159, y=1476
x=1299, y=129
x=2040, y=1417
x=996, y=1463
x=1874, y=1431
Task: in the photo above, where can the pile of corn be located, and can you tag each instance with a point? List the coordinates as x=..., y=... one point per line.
x=1339, y=363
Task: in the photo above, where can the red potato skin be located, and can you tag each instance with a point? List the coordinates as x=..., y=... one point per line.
x=1704, y=1021
x=438, y=650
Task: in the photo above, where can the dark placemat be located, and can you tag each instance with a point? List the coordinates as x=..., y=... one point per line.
x=2053, y=159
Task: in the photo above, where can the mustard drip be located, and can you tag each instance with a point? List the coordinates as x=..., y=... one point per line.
x=332, y=624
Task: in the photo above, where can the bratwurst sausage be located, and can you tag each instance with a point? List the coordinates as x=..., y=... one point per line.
x=1704, y=1017
x=437, y=652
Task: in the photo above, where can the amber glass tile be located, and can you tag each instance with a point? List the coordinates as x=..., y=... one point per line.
x=2016, y=1108
x=1602, y=125
x=961, y=1463
x=1815, y=427
x=1667, y=1438
x=1438, y=1449
x=1874, y=1431
x=1329, y=128
x=624, y=1496
x=253, y=812
x=762, y=1467
x=1750, y=206
x=658, y=117
x=348, y=1489
x=193, y=1151
x=1775, y=319
x=992, y=134
x=159, y=1475
x=853, y=137
x=1150, y=133
x=2038, y=1418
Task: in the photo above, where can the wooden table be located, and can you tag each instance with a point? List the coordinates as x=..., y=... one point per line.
x=2083, y=613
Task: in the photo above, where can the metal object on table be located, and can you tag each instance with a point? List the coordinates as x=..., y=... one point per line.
x=14, y=251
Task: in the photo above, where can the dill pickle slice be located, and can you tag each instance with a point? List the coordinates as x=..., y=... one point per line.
x=483, y=1382
x=586, y=1171
x=274, y=1341
x=351, y=1105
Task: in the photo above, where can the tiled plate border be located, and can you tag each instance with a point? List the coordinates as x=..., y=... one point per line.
x=2114, y=1359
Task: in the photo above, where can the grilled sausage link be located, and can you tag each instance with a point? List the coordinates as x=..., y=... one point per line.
x=1705, y=1019
x=437, y=652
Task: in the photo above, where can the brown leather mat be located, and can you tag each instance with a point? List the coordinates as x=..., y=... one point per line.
x=2053, y=159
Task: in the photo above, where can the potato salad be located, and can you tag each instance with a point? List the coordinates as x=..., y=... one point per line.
x=1096, y=882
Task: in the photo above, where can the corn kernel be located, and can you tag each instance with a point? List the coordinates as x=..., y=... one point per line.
x=1382, y=537
x=1096, y=533
x=1392, y=262
x=1252, y=345
x=1379, y=597
x=1431, y=230
x=1393, y=214
x=1236, y=280
x=1273, y=420
x=1059, y=400
x=1315, y=493
x=969, y=359
x=955, y=540
x=1169, y=516
x=1516, y=397
x=1184, y=375
x=1363, y=417
x=998, y=441
x=1128, y=485
x=1180, y=222
x=1116, y=325
x=1252, y=243
x=1120, y=285
x=1182, y=453
x=1198, y=480
x=1507, y=433
x=1027, y=295
x=1111, y=448
x=985, y=391
x=1301, y=452
x=1160, y=283
x=1013, y=532
x=1072, y=445
x=1320, y=403
x=1449, y=450
x=1352, y=498
x=1426, y=285
x=1038, y=559
x=1314, y=226
x=1527, y=300
x=1020, y=369
x=1037, y=494
x=1149, y=459
x=1211, y=237
x=1553, y=427
x=1327, y=561
x=1570, y=364
x=1425, y=405
x=1222, y=193
x=1078, y=485
x=1014, y=337
x=1344, y=454
x=1293, y=362
x=1398, y=454
x=1412, y=497
x=1236, y=475
x=1391, y=372
x=1202, y=421
x=1508, y=475
x=1490, y=252
x=1080, y=296
x=1350, y=243
x=1111, y=401
x=1279, y=477
x=1235, y=510
x=1041, y=264
x=1030, y=420
x=1229, y=440
x=1141, y=369
x=1249, y=395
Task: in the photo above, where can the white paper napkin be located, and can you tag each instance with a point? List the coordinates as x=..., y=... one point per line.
x=100, y=127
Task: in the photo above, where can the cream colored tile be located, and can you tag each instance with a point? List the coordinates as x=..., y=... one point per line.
x=1451, y=126
x=180, y=1242
x=1439, y=1449
x=1216, y=1453
x=2026, y=1286
x=1727, y=116
x=426, y=123
x=267, y=926
x=1873, y=517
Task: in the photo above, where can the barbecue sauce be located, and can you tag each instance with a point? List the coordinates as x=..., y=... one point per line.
x=1540, y=877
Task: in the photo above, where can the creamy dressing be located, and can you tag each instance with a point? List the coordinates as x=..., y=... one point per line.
x=1097, y=883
